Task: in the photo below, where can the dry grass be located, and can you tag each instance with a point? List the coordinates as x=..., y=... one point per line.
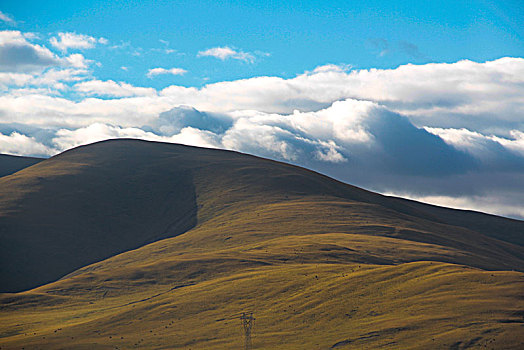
x=297, y=306
x=321, y=264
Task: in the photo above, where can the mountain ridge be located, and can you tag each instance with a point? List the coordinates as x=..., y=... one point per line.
x=144, y=191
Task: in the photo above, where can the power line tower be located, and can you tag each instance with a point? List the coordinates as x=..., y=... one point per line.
x=247, y=322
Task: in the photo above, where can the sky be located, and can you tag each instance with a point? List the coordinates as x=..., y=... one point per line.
x=419, y=99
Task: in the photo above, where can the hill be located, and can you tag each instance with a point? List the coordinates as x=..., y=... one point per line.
x=128, y=243
x=11, y=164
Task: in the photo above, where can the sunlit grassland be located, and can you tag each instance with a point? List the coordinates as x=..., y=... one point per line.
x=310, y=306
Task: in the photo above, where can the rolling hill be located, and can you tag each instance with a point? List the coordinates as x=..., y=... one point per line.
x=136, y=244
x=11, y=164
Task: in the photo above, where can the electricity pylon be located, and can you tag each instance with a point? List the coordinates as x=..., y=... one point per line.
x=247, y=322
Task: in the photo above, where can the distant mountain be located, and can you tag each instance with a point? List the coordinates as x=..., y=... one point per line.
x=11, y=164
x=147, y=244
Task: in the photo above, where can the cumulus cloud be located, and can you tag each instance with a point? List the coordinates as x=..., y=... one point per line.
x=54, y=78
x=225, y=52
x=13, y=79
x=19, y=144
x=57, y=78
x=173, y=121
x=516, y=143
x=66, y=41
x=66, y=138
x=157, y=71
x=76, y=60
x=496, y=152
x=19, y=55
x=359, y=132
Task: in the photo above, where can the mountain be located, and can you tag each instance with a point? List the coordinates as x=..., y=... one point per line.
x=128, y=243
x=11, y=164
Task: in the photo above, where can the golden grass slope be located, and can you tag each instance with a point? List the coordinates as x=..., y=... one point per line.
x=418, y=305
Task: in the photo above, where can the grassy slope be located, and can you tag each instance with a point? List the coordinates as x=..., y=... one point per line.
x=11, y=164
x=319, y=263
x=80, y=207
x=417, y=305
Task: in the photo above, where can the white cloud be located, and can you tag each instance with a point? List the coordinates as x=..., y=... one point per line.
x=112, y=89
x=66, y=139
x=19, y=144
x=54, y=74
x=157, y=71
x=463, y=139
x=226, y=52
x=484, y=97
x=481, y=97
x=19, y=55
x=66, y=41
x=195, y=137
x=56, y=111
x=76, y=60
x=332, y=68
x=14, y=79
x=515, y=143
x=56, y=78
x=6, y=18
x=463, y=94
x=480, y=145
x=173, y=121
x=53, y=77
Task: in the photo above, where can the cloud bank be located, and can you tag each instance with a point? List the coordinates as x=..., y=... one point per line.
x=447, y=133
x=356, y=141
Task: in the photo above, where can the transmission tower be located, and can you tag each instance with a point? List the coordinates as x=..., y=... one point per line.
x=247, y=322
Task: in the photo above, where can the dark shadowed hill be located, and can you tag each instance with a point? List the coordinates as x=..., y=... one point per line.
x=95, y=201
x=11, y=164
x=135, y=244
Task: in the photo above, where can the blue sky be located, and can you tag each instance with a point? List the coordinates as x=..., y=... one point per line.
x=285, y=37
x=422, y=99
